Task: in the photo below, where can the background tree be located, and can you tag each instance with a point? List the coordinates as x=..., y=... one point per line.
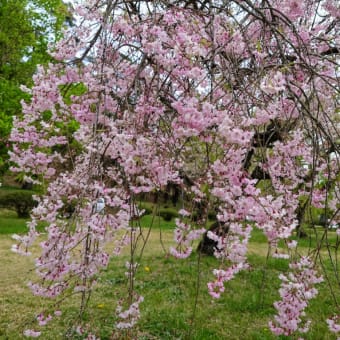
x=210, y=95
x=27, y=27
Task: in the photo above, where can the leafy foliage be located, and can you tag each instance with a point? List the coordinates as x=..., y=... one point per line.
x=168, y=214
x=19, y=200
x=26, y=29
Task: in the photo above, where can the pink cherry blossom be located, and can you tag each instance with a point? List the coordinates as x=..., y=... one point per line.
x=30, y=333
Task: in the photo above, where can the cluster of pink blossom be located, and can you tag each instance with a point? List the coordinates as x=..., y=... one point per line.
x=31, y=333
x=129, y=316
x=86, y=335
x=216, y=288
x=43, y=320
x=184, y=237
x=296, y=289
x=333, y=324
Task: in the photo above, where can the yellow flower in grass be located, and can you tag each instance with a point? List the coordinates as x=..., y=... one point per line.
x=100, y=305
x=147, y=269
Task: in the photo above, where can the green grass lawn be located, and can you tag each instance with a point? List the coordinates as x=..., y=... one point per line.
x=176, y=302
x=10, y=224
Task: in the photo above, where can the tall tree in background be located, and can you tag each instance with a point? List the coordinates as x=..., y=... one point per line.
x=26, y=29
x=236, y=102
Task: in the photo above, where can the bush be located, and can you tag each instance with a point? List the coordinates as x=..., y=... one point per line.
x=19, y=200
x=168, y=214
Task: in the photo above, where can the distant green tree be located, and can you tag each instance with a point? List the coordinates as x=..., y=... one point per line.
x=27, y=26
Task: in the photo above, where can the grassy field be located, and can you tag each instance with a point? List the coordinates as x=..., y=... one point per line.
x=10, y=224
x=171, y=289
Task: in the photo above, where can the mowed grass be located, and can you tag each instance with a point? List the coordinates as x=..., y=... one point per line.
x=10, y=224
x=176, y=302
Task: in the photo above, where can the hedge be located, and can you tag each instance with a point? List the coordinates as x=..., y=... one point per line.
x=19, y=200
